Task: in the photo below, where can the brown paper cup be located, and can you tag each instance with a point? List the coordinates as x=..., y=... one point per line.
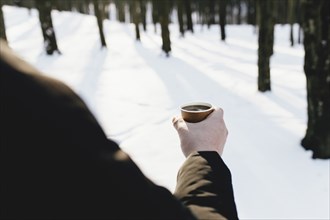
x=196, y=111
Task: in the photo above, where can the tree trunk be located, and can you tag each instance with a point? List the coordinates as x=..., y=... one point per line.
x=239, y=12
x=273, y=7
x=188, y=14
x=211, y=16
x=299, y=34
x=251, y=17
x=316, y=28
x=98, y=10
x=120, y=5
x=282, y=12
x=164, y=21
x=80, y=6
x=299, y=19
x=202, y=10
x=180, y=17
x=265, y=40
x=70, y=4
x=2, y=25
x=50, y=44
x=143, y=14
x=86, y=8
x=291, y=8
x=155, y=13
x=222, y=17
x=230, y=15
x=136, y=18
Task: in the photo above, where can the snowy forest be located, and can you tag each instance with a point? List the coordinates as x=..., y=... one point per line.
x=312, y=17
x=265, y=62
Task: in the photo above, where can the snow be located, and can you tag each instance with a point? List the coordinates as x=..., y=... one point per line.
x=134, y=91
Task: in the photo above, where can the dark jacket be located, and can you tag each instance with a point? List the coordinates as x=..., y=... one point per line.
x=56, y=161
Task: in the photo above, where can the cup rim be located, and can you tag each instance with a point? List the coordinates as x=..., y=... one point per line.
x=196, y=103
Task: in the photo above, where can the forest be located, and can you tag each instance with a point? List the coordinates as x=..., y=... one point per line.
x=312, y=16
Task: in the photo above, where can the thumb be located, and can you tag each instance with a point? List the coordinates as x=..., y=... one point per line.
x=177, y=122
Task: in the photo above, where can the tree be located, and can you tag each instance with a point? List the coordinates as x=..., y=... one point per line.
x=291, y=9
x=188, y=14
x=230, y=9
x=251, y=12
x=120, y=5
x=202, y=8
x=143, y=14
x=2, y=25
x=180, y=16
x=222, y=17
x=81, y=6
x=265, y=41
x=136, y=18
x=299, y=19
x=106, y=10
x=239, y=12
x=164, y=21
x=99, y=13
x=63, y=5
x=155, y=13
x=45, y=8
x=316, y=27
x=211, y=14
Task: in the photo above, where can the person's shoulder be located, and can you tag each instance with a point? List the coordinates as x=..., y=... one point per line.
x=18, y=76
x=30, y=94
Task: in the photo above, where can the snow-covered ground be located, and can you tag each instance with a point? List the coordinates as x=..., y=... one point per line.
x=134, y=91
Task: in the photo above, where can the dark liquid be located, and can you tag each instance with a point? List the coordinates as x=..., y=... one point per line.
x=196, y=108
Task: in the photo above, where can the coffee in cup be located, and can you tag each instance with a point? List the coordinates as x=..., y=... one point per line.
x=196, y=111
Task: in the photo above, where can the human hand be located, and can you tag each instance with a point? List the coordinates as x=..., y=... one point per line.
x=207, y=135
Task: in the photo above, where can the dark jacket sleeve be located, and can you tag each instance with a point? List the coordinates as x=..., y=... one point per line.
x=56, y=161
x=204, y=186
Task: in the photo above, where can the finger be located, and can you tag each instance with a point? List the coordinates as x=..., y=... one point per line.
x=220, y=112
x=174, y=119
x=216, y=114
x=215, y=117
